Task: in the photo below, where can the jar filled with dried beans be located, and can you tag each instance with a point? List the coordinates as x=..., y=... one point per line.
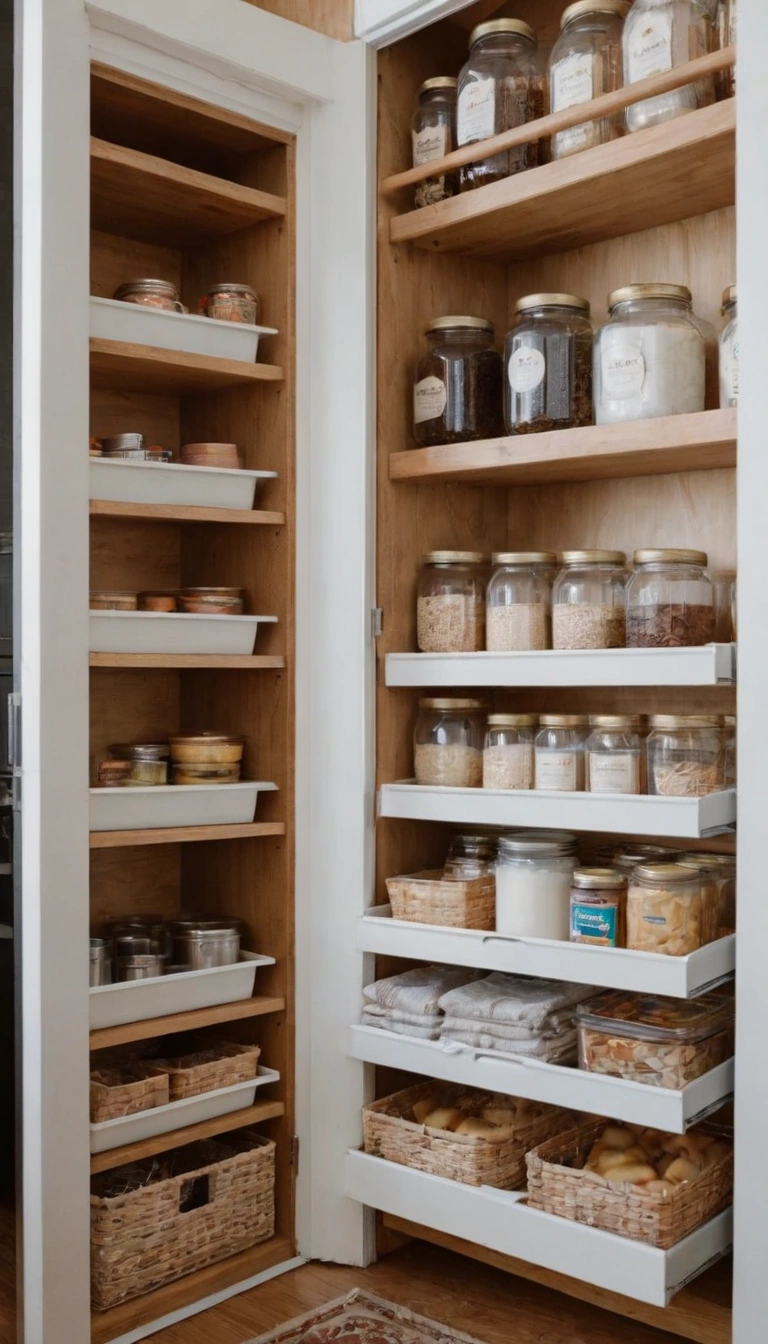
x=448, y=743
x=457, y=391
x=670, y=600
x=548, y=361
x=588, y=601
x=450, y=606
x=433, y=133
x=502, y=86
x=519, y=601
x=686, y=755
x=508, y=751
x=659, y=35
x=585, y=63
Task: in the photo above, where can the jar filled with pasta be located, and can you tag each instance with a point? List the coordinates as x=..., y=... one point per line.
x=650, y=356
x=559, y=752
x=519, y=601
x=502, y=86
x=586, y=62
x=659, y=35
x=729, y=351
x=448, y=742
x=670, y=600
x=457, y=394
x=615, y=754
x=665, y=909
x=508, y=751
x=433, y=133
x=686, y=755
x=548, y=362
x=588, y=601
x=450, y=606
x=718, y=872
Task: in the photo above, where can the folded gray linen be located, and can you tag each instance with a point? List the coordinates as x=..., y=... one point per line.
x=405, y=1019
x=561, y=1050
x=429, y=1033
x=417, y=991
x=512, y=999
x=550, y=1029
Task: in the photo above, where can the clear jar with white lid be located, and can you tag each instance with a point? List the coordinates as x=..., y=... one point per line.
x=501, y=86
x=448, y=742
x=508, y=751
x=457, y=393
x=729, y=350
x=588, y=601
x=519, y=601
x=548, y=364
x=615, y=755
x=450, y=606
x=533, y=884
x=650, y=356
x=658, y=36
x=670, y=600
x=686, y=755
x=559, y=752
x=586, y=62
x=433, y=135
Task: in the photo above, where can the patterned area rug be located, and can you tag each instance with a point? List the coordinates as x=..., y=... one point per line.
x=360, y=1318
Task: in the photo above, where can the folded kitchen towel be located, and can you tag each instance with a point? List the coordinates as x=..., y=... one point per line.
x=405, y=1019
x=423, y=1033
x=551, y=1028
x=417, y=991
x=558, y=1050
x=512, y=999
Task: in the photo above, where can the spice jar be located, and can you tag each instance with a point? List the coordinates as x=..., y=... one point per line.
x=729, y=351
x=448, y=743
x=548, y=361
x=457, y=392
x=501, y=86
x=598, y=907
x=149, y=764
x=433, y=132
x=686, y=758
x=670, y=600
x=659, y=35
x=614, y=754
x=151, y=294
x=719, y=885
x=519, y=601
x=664, y=909
x=231, y=303
x=533, y=884
x=450, y=606
x=588, y=601
x=508, y=751
x=586, y=62
x=559, y=752
x=650, y=357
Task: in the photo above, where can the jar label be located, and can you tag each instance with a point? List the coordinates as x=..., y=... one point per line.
x=594, y=924
x=730, y=370
x=429, y=143
x=649, y=49
x=557, y=770
x=623, y=371
x=526, y=369
x=476, y=113
x=573, y=81
x=429, y=397
x=613, y=772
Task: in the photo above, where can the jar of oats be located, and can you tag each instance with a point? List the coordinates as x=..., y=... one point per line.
x=686, y=755
x=519, y=600
x=508, y=751
x=558, y=752
x=665, y=909
x=448, y=743
x=450, y=606
x=588, y=601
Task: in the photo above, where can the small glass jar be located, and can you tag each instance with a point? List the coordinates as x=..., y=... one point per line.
x=433, y=133
x=533, y=884
x=615, y=756
x=729, y=744
x=724, y=585
x=501, y=86
x=586, y=62
x=448, y=743
x=650, y=356
x=450, y=605
x=670, y=601
x=457, y=394
x=598, y=907
x=588, y=601
x=471, y=848
x=508, y=751
x=719, y=886
x=626, y=857
x=729, y=350
x=726, y=37
x=559, y=752
x=519, y=601
x=151, y=294
x=686, y=758
x=658, y=36
x=548, y=363
x=231, y=303
x=149, y=764
x=665, y=910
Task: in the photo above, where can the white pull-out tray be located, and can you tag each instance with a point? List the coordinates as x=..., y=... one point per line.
x=130, y=482
x=163, y=805
x=114, y=320
x=137, y=1000
x=709, y=665
x=173, y=632
x=177, y=1114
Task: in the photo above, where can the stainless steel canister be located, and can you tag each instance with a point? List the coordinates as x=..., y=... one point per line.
x=100, y=961
x=139, y=967
x=203, y=946
x=151, y=927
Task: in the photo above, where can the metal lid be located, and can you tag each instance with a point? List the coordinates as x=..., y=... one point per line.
x=663, y=872
x=551, y=301
x=452, y=321
x=684, y=721
x=206, y=738
x=649, y=291
x=146, y=285
x=616, y=721
x=594, y=558
x=711, y=861
x=150, y=751
x=729, y=295
x=233, y=288
x=440, y=82
x=583, y=7
x=447, y=703
x=122, y=441
x=99, y=948
x=628, y=856
x=535, y=843
x=564, y=721
x=524, y=557
x=599, y=878
x=516, y=27
x=512, y=720
x=454, y=558
x=671, y=556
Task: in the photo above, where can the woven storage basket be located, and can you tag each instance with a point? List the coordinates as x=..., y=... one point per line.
x=219, y=1199
x=556, y=1186
x=125, y=1089
x=220, y=1065
x=470, y=1159
x=458, y=903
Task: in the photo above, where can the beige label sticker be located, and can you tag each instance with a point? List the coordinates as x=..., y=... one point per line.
x=429, y=144
x=614, y=773
x=556, y=770
x=623, y=370
x=476, y=113
x=429, y=398
x=650, y=48
x=526, y=369
x=573, y=82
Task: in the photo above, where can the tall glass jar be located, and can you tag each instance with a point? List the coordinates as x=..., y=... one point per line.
x=502, y=86
x=665, y=911
x=533, y=884
x=558, y=753
x=433, y=133
x=448, y=742
x=457, y=392
x=650, y=357
x=548, y=361
x=724, y=584
x=450, y=606
x=586, y=62
x=519, y=601
x=729, y=350
x=508, y=751
x=659, y=35
x=615, y=754
x=471, y=847
x=686, y=756
x=726, y=37
x=670, y=600
x=588, y=601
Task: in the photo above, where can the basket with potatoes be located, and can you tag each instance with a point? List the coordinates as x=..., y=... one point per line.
x=466, y=1135
x=638, y=1183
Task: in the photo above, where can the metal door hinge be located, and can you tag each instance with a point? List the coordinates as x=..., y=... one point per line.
x=295, y=1154
x=377, y=622
x=14, y=745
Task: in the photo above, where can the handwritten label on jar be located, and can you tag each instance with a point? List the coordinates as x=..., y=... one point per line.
x=429, y=143
x=429, y=398
x=623, y=370
x=476, y=112
x=615, y=772
x=730, y=370
x=650, y=48
x=572, y=82
x=526, y=369
x=594, y=925
x=557, y=770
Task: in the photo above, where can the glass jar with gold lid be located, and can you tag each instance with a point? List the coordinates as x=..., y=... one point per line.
x=433, y=135
x=650, y=356
x=519, y=601
x=585, y=63
x=659, y=35
x=686, y=755
x=548, y=362
x=501, y=86
x=670, y=600
x=450, y=606
x=457, y=393
x=558, y=754
x=665, y=910
x=615, y=754
x=448, y=742
x=588, y=600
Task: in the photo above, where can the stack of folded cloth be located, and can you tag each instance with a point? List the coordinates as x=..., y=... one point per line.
x=515, y=1015
x=408, y=1004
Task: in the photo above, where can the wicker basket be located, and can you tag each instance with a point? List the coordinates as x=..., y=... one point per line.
x=458, y=903
x=125, y=1089
x=220, y=1065
x=391, y=1130
x=202, y=1203
x=556, y=1185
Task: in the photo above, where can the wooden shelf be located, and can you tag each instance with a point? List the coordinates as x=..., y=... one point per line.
x=671, y=443
x=121, y=366
x=103, y=1037
x=207, y=1129
x=685, y=167
x=242, y=661
x=176, y=835
x=140, y=196
x=185, y=513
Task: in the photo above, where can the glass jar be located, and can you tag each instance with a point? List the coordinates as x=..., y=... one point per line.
x=650, y=357
x=450, y=606
x=433, y=133
x=559, y=752
x=588, y=601
x=719, y=882
x=729, y=350
x=471, y=847
x=508, y=751
x=614, y=754
x=519, y=601
x=502, y=86
x=448, y=743
x=586, y=62
x=729, y=741
x=533, y=884
x=149, y=764
x=665, y=909
x=548, y=362
x=598, y=907
x=726, y=37
x=626, y=857
x=151, y=294
x=231, y=303
x=670, y=601
x=685, y=755
x=457, y=392
x=724, y=585
x=659, y=35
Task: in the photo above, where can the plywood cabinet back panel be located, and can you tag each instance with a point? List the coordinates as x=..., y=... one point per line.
x=335, y=18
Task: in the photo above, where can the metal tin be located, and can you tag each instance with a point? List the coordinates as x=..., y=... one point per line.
x=100, y=967
x=118, y=443
x=140, y=967
x=202, y=948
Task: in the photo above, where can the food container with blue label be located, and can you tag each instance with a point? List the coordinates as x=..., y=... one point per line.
x=598, y=907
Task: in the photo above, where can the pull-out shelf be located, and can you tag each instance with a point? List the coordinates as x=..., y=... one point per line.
x=709, y=665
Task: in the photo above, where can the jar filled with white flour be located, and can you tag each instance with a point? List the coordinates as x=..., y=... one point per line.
x=650, y=357
x=534, y=870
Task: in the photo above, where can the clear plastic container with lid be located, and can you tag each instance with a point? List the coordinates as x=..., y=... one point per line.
x=433, y=133
x=588, y=601
x=719, y=891
x=450, y=606
x=659, y=35
x=548, y=363
x=665, y=910
x=615, y=756
x=448, y=742
x=670, y=600
x=508, y=751
x=457, y=394
x=586, y=62
x=559, y=752
x=686, y=755
x=729, y=350
x=648, y=1039
x=533, y=884
x=519, y=601
x=650, y=356
x=598, y=907
x=501, y=86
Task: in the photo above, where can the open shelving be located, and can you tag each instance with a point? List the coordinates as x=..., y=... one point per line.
x=259, y=1006
x=206, y=1129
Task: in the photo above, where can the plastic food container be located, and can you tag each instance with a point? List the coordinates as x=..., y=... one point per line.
x=207, y=749
x=662, y=1042
x=113, y=601
x=174, y=483
x=665, y=909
